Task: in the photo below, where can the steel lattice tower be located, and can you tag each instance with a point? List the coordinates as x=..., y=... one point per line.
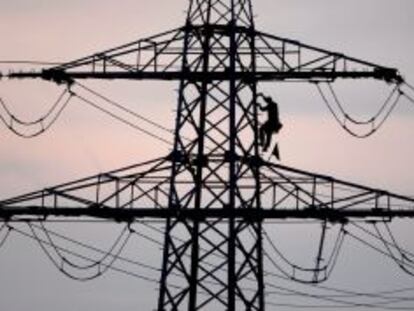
x=220, y=118
x=214, y=190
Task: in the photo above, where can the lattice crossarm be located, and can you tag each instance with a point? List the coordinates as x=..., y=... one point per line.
x=290, y=60
x=296, y=193
x=156, y=54
x=140, y=186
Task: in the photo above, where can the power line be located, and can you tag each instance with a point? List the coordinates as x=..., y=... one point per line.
x=45, y=122
x=61, y=265
x=83, y=257
x=343, y=306
x=98, y=262
x=349, y=293
x=373, y=121
x=350, y=304
x=408, y=97
x=6, y=235
x=385, y=253
x=155, y=269
x=133, y=113
x=326, y=269
x=123, y=108
x=136, y=127
x=29, y=62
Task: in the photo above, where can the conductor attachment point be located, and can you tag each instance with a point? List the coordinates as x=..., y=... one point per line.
x=57, y=76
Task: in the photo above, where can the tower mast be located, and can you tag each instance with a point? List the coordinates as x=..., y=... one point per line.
x=215, y=142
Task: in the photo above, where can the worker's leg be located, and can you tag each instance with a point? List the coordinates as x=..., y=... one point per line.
x=262, y=136
x=268, y=135
x=268, y=140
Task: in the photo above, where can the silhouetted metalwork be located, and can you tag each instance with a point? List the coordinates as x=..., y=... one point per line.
x=214, y=190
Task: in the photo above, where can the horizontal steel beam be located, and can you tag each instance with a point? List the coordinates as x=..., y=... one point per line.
x=129, y=215
x=306, y=76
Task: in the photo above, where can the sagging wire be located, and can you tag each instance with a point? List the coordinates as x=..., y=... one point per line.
x=314, y=296
x=40, y=125
x=342, y=303
x=343, y=118
x=326, y=270
x=130, y=112
x=124, y=109
x=393, y=243
x=83, y=257
x=123, y=120
x=103, y=252
x=101, y=265
x=344, y=294
x=340, y=293
x=88, y=266
x=345, y=304
x=334, y=307
x=387, y=252
x=153, y=280
x=45, y=122
x=108, y=266
x=410, y=98
x=29, y=62
x=402, y=261
x=3, y=238
x=408, y=85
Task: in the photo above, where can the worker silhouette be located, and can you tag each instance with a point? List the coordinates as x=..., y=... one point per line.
x=272, y=125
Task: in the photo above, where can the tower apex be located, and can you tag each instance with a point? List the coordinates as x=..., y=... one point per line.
x=220, y=12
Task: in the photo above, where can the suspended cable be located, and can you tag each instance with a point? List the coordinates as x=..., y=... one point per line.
x=360, y=294
x=408, y=97
x=408, y=85
x=136, y=127
x=352, y=119
x=397, y=246
x=392, y=244
x=107, y=254
x=357, y=294
x=129, y=111
x=344, y=293
x=45, y=122
x=100, y=251
x=102, y=267
x=48, y=113
x=350, y=294
x=350, y=304
x=376, y=121
x=107, y=266
x=386, y=253
x=6, y=235
x=332, y=307
x=12, y=121
x=326, y=269
x=384, y=302
x=29, y=62
x=299, y=293
x=400, y=262
x=114, y=268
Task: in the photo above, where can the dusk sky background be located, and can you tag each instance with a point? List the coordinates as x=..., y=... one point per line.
x=85, y=142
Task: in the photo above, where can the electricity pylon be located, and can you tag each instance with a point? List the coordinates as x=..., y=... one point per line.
x=214, y=190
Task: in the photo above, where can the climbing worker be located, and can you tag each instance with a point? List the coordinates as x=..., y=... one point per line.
x=272, y=125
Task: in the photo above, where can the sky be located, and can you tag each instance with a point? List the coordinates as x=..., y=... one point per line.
x=84, y=142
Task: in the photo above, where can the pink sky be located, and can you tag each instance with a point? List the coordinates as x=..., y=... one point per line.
x=84, y=142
